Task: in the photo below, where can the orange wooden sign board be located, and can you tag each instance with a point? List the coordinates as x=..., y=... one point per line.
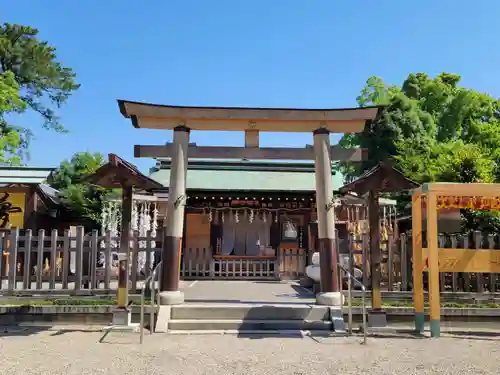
x=465, y=260
x=472, y=202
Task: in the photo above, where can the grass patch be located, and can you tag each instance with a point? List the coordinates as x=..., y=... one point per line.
x=454, y=305
x=13, y=301
x=111, y=301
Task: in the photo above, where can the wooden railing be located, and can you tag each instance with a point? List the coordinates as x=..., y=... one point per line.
x=201, y=264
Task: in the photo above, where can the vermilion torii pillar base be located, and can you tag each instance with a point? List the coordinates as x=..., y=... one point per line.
x=330, y=293
x=174, y=223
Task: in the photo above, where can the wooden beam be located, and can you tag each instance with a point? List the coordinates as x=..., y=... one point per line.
x=251, y=138
x=250, y=153
x=153, y=116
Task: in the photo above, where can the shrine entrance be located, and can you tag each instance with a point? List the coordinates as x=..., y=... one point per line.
x=251, y=121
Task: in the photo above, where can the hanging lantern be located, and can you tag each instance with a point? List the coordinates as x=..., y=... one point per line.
x=236, y=217
x=250, y=217
x=210, y=216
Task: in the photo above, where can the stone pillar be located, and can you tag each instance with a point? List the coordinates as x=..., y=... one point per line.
x=330, y=293
x=174, y=223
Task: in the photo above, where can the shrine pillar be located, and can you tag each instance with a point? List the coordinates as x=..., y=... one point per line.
x=174, y=223
x=330, y=293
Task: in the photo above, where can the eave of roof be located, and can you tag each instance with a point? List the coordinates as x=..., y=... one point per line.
x=24, y=175
x=373, y=179
x=156, y=116
x=118, y=173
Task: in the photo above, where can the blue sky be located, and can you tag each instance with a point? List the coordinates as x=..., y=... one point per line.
x=279, y=53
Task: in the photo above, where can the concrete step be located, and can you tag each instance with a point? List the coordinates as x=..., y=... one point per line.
x=266, y=333
x=247, y=325
x=250, y=312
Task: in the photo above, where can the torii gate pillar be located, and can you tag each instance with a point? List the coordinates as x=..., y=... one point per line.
x=330, y=294
x=174, y=223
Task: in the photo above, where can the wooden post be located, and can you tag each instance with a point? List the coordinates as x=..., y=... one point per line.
x=330, y=293
x=418, y=283
x=390, y=262
x=251, y=138
x=123, y=256
x=374, y=220
x=79, y=258
x=432, y=248
x=174, y=223
x=39, y=259
x=13, y=249
x=403, y=262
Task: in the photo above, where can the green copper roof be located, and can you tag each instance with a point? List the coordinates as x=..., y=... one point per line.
x=240, y=175
x=23, y=175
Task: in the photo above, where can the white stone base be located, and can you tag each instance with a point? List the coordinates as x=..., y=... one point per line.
x=121, y=317
x=132, y=327
x=163, y=318
x=171, y=298
x=335, y=299
x=313, y=272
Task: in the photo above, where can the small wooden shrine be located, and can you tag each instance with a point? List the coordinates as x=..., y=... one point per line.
x=382, y=178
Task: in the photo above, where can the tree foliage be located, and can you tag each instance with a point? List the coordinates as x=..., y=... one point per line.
x=82, y=200
x=435, y=130
x=31, y=78
x=10, y=101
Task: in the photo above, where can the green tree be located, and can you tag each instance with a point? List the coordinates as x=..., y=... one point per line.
x=10, y=101
x=80, y=199
x=435, y=130
x=43, y=82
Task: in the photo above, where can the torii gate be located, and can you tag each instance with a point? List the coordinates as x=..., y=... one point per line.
x=251, y=121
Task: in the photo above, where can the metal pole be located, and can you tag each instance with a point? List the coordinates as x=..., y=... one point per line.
x=142, y=317
x=152, y=306
x=363, y=301
x=349, y=303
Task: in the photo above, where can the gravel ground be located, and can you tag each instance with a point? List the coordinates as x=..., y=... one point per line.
x=73, y=352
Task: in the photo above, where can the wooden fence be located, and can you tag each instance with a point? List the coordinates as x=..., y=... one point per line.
x=396, y=262
x=80, y=263
x=65, y=263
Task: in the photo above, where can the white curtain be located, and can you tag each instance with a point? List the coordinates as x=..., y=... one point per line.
x=228, y=236
x=240, y=231
x=264, y=228
x=244, y=237
x=252, y=238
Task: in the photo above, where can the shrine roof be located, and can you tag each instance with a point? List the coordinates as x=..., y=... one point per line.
x=156, y=116
x=118, y=172
x=23, y=175
x=245, y=175
x=383, y=177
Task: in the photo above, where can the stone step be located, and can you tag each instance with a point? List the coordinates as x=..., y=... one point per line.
x=248, y=325
x=251, y=312
x=266, y=333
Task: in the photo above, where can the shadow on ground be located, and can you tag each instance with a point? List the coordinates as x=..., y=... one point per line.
x=19, y=330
